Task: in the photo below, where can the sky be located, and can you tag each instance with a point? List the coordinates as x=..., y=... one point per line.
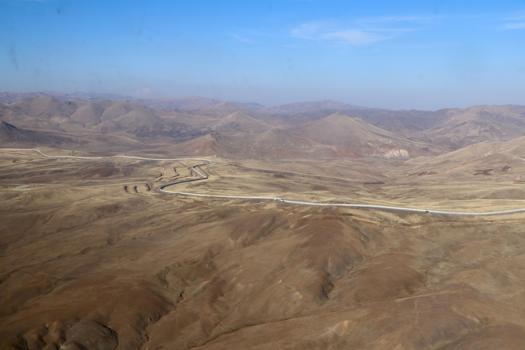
x=391, y=54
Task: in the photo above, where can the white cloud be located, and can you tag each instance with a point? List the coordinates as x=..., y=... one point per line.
x=330, y=32
x=398, y=19
x=356, y=37
x=517, y=16
x=309, y=30
x=242, y=38
x=516, y=21
x=514, y=26
x=364, y=31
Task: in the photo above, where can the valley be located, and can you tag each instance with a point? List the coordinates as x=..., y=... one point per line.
x=221, y=229
x=262, y=175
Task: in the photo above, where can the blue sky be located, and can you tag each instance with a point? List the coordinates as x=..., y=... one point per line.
x=396, y=54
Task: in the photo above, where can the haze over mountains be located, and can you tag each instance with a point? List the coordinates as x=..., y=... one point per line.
x=200, y=126
x=96, y=254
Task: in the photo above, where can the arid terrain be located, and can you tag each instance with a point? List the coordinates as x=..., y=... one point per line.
x=113, y=252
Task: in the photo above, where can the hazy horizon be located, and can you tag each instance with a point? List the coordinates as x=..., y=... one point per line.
x=117, y=96
x=408, y=55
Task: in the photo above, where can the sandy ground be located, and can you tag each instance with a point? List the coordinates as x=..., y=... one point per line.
x=92, y=256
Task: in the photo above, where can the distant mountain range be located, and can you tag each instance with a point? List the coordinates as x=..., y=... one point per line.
x=322, y=129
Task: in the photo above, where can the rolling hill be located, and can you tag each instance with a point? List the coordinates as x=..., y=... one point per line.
x=353, y=135
x=462, y=127
x=51, y=113
x=10, y=135
x=310, y=129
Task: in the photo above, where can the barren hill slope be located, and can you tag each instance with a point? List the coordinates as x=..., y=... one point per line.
x=484, y=160
x=240, y=122
x=109, y=263
x=477, y=124
x=74, y=116
x=361, y=138
x=10, y=135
